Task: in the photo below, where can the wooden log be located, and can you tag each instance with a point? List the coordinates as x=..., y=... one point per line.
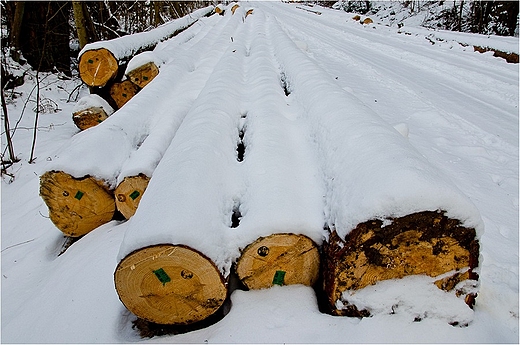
x=219, y=9
x=356, y=17
x=279, y=259
x=76, y=205
x=122, y=92
x=367, y=21
x=250, y=11
x=234, y=8
x=129, y=192
x=144, y=74
x=423, y=243
x=170, y=284
x=97, y=67
x=89, y=117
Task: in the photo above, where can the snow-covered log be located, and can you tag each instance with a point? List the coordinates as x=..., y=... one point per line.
x=122, y=92
x=281, y=210
x=101, y=151
x=99, y=61
x=76, y=205
x=187, y=205
x=143, y=74
x=389, y=212
x=139, y=167
x=91, y=110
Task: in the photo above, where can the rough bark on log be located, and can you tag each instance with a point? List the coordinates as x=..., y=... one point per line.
x=279, y=259
x=89, y=117
x=97, y=67
x=170, y=284
x=424, y=243
x=122, y=92
x=144, y=74
x=129, y=192
x=76, y=205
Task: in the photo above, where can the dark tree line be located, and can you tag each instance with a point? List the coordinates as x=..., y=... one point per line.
x=47, y=34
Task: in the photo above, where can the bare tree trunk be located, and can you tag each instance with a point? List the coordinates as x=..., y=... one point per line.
x=16, y=28
x=10, y=147
x=79, y=18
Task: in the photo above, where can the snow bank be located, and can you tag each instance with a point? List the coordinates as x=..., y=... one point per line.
x=130, y=45
x=371, y=171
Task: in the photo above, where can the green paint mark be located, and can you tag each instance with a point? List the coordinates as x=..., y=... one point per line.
x=162, y=276
x=124, y=95
x=79, y=195
x=134, y=194
x=145, y=77
x=90, y=61
x=278, y=277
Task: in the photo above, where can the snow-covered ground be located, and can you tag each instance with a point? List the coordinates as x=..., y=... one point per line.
x=457, y=111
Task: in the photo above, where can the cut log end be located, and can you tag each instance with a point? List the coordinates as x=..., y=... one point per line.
x=97, y=67
x=129, y=192
x=424, y=243
x=279, y=259
x=89, y=117
x=144, y=74
x=170, y=284
x=76, y=206
x=234, y=8
x=122, y=92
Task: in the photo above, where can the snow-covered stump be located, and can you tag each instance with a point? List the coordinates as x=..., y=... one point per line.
x=90, y=111
x=99, y=62
x=396, y=223
x=281, y=222
x=122, y=92
x=76, y=205
x=174, y=259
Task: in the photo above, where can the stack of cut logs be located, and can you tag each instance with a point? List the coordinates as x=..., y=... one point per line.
x=181, y=280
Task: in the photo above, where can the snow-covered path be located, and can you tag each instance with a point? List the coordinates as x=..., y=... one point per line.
x=460, y=108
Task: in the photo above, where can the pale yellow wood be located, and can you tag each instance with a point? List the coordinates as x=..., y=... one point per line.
x=89, y=117
x=122, y=92
x=170, y=284
x=249, y=12
x=97, y=67
x=76, y=206
x=234, y=8
x=279, y=259
x=356, y=17
x=129, y=192
x=144, y=74
x=367, y=21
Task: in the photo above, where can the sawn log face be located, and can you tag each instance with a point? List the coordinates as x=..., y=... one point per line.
x=424, y=243
x=97, y=67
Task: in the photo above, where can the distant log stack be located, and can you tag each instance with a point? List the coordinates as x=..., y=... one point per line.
x=424, y=243
x=76, y=205
x=170, y=284
x=122, y=92
x=90, y=111
x=129, y=192
x=279, y=259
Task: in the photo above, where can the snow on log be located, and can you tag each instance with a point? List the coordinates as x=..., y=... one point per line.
x=122, y=92
x=91, y=110
x=187, y=205
x=76, y=205
x=383, y=200
x=280, y=209
x=139, y=167
x=99, y=61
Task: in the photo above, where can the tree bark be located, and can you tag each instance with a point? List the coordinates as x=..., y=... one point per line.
x=16, y=28
x=79, y=19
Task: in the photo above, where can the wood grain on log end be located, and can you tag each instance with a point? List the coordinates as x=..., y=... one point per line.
x=122, y=92
x=89, y=117
x=279, y=259
x=170, y=284
x=424, y=243
x=97, y=67
x=76, y=205
x=129, y=192
x=234, y=8
x=144, y=74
